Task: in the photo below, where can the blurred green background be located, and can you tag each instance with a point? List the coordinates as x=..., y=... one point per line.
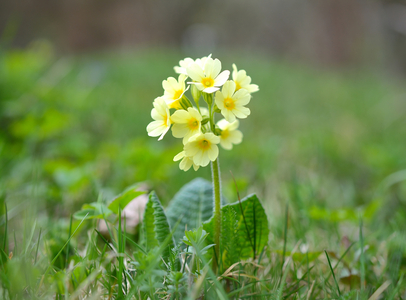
x=327, y=128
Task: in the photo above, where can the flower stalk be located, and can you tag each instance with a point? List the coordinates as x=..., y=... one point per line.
x=196, y=126
x=215, y=167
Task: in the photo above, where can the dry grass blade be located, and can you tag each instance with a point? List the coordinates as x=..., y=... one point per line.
x=380, y=290
x=228, y=272
x=309, y=293
x=243, y=275
x=291, y=254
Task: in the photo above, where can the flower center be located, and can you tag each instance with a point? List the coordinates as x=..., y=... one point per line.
x=204, y=144
x=175, y=104
x=225, y=133
x=229, y=103
x=193, y=124
x=237, y=85
x=167, y=120
x=208, y=82
x=177, y=94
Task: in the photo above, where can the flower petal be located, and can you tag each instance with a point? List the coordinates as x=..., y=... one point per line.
x=213, y=152
x=211, y=90
x=222, y=78
x=195, y=72
x=216, y=68
x=228, y=89
x=179, y=156
x=179, y=130
x=242, y=112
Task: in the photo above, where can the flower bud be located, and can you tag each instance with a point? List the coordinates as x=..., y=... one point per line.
x=205, y=120
x=195, y=93
x=185, y=103
x=208, y=98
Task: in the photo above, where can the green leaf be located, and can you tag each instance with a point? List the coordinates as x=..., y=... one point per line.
x=228, y=237
x=149, y=226
x=337, y=215
x=93, y=210
x=123, y=199
x=155, y=225
x=193, y=204
x=251, y=234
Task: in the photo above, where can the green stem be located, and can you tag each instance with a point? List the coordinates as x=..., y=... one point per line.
x=209, y=100
x=217, y=210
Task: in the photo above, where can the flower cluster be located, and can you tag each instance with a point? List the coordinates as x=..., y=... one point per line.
x=196, y=125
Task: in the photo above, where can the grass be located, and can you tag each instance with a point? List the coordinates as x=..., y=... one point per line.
x=328, y=143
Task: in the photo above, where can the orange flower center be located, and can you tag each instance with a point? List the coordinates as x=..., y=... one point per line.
x=193, y=124
x=229, y=103
x=208, y=82
x=204, y=144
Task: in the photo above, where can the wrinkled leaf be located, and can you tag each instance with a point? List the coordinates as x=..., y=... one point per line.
x=149, y=226
x=193, y=204
x=155, y=225
x=251, y=235
x=228, y=237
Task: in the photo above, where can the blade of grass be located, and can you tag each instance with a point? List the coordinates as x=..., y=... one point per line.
x=397, y=288
x=59, y=253
x=283, y=281
x=154, y=262
x=219, y=288
x=89, y=280
x=120, y=257
x=380, y=290
x=3, y=254
x=332, y=271
x=362, y=258
x=124, y=239
x=28, y=242
x=285, y=234
x=307, y=270
x=309, y=293
x=5, y=228
x=135, y=244
x=104, y=239
x=15, y=243
x=36, y=250
x=255, y=231
x=340, y=259
x=109, y=230
x=68, y=246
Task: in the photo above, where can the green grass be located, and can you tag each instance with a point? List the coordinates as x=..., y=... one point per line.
x=327, y=143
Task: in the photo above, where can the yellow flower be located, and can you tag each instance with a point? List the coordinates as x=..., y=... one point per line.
x=202, y=148
x=186, y=123
x=174, y=90
x=208, y=79
x=162, y=123
x=185, y=63
x=231, y=102
x=242, y=81
x=186, y=162
x=229, y=134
